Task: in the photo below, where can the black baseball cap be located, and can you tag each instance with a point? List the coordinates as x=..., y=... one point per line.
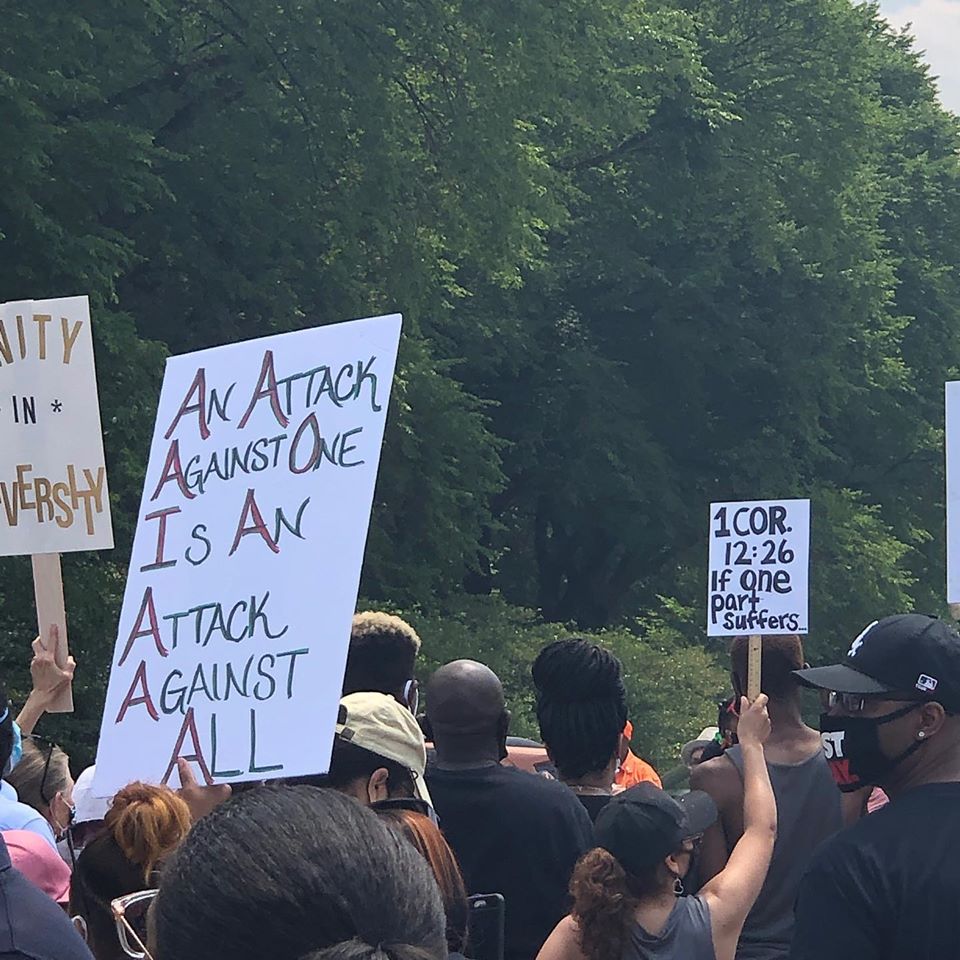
x=908, y=653
x=643, y=824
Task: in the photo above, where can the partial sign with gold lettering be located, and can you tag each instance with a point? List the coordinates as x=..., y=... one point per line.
x=53, y=480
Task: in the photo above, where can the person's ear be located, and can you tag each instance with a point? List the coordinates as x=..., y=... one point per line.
x=932, y=719
x=377, y=785
x=623, y=748
x=503, y=727
x=80, y=925
x=60, y=813
x=672, y=863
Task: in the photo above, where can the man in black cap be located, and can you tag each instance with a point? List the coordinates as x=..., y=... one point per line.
x=888, y=887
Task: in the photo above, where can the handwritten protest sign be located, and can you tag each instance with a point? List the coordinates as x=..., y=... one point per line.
x=953, y=491
x=759, y=567
x=53, y=481
x=246, y=561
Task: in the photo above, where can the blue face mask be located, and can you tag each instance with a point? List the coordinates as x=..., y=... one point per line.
x=17, y=752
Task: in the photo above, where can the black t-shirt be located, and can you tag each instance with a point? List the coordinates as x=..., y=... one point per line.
x=593, y=803
x=888, y=888
x=518, y=835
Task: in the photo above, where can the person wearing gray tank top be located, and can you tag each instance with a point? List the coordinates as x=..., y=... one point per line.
x=627, y=902
x=808, y=802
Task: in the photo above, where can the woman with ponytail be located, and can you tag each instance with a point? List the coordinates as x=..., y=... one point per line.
x=143, y=826
x=627, y=893
x=297, y=873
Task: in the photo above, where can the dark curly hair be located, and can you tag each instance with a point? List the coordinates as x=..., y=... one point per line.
x=605, y=897
x=581, y=705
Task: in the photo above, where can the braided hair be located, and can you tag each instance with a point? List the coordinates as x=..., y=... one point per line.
x=581, y=705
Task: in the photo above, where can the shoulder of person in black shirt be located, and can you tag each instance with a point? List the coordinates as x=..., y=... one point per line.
x=872, y=891
x=514, y=793
x=517, y=834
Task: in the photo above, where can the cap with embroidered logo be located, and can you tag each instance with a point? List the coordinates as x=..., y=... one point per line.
x=905, y=654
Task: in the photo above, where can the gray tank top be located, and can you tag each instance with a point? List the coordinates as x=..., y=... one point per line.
x=808, y=811
x=685, y=936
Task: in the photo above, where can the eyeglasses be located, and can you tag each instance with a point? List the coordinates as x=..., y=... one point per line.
x=130, y=914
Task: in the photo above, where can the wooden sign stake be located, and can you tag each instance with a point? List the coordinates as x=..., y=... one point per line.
x=754, y=659
x=48, y=590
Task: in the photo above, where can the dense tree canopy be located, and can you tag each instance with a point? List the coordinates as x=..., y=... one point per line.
x=650, y=253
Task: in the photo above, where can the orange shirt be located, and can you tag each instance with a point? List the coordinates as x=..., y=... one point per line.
x=633, y=770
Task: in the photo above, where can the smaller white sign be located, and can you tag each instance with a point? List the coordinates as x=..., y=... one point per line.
x=53, y=480
x=759, y=568
x=953, y=492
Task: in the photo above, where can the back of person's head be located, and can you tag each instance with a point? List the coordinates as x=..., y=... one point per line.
x=605, y=897
x=378, y=751
x=42, y=780
x=33, y=856
x=645, y=845
x=297, y=873
x=466, y=716
x=354, y=770
x=383, y=651
x=143, y=826
x=780, y=656
x=581, y=705
x=425, y=835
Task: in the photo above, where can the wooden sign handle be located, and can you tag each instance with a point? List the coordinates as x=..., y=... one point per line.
x=48, y=590
x=754, y=659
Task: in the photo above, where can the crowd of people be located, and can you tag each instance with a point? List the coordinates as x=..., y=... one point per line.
x=427, y=838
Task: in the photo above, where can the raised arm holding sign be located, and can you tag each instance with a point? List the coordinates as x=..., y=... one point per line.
x=246, y=561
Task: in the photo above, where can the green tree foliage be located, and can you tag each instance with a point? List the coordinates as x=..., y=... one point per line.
x=650, y=254
x=672, y=686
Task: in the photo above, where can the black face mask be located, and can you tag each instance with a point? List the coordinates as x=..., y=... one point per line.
x=852, y=748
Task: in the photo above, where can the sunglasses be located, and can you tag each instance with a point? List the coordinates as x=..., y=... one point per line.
x=45, y=746
x=855, y=702
x=130, y=915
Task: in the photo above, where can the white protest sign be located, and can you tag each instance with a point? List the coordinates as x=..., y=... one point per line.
x=759, y=568
x=953, y=491
x=53, y=480
x=246, y=561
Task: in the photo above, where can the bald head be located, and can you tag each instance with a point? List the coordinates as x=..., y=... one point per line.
x=465, y=697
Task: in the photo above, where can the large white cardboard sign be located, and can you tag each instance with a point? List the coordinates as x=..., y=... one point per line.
x=53, y=480
x=246, y=561
x=759, y=568
x=953, y=491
